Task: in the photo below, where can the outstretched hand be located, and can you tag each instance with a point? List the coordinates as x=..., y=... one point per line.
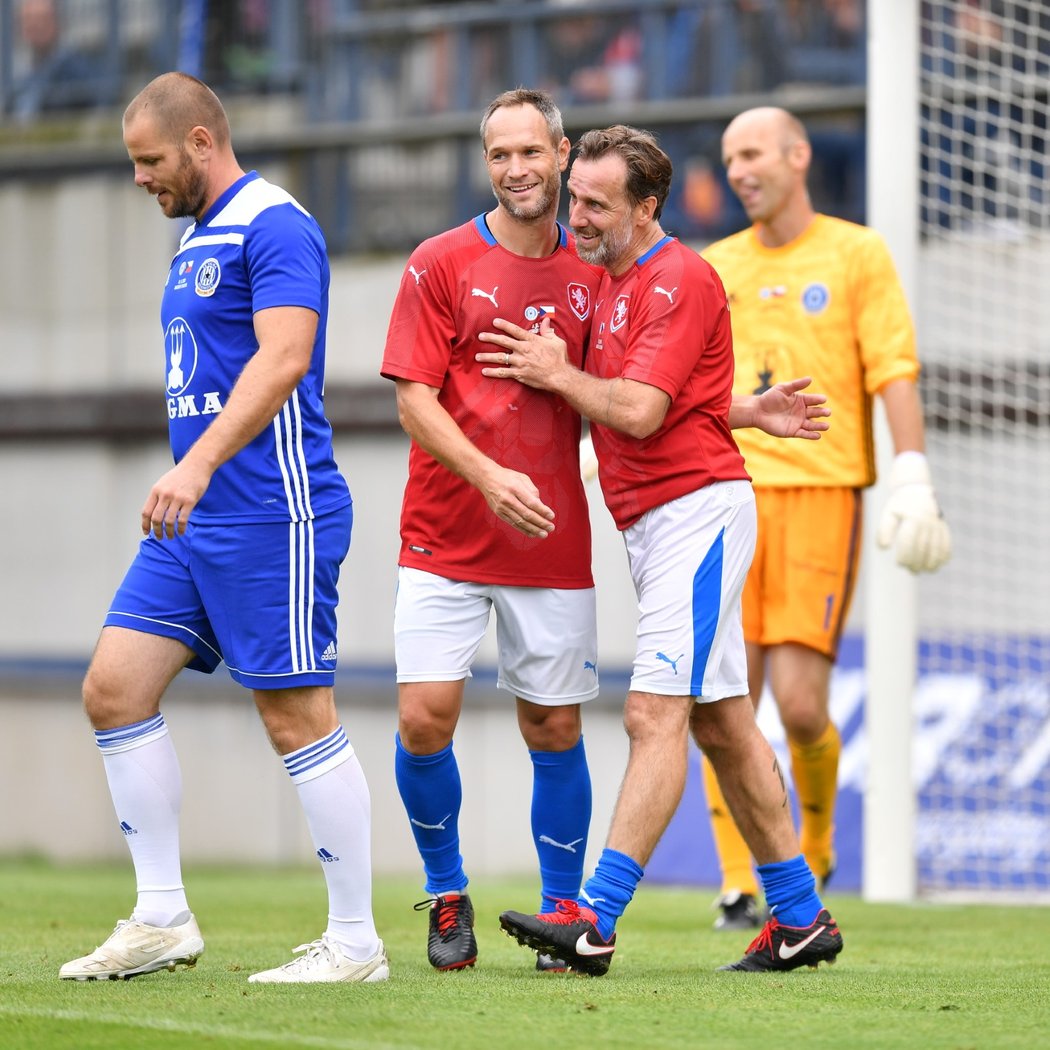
x=784, y=411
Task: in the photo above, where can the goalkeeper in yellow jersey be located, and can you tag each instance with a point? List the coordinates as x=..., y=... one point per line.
x=812, y=295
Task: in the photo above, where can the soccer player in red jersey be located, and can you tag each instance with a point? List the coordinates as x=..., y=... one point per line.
x=494, y=516
x=657, y=387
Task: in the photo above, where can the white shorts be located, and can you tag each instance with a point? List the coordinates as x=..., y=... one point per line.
x=689, y=559
x=547, y=637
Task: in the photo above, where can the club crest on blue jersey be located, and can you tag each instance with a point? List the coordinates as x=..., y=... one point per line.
x=579, y=300
x=181, y=351
x=207, y=279
x=619, y=314
x=815, y=298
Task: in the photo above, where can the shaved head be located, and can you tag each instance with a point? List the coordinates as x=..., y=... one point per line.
x=766, y=153
x=176, y=103
x=178, y=137
x=784, y=126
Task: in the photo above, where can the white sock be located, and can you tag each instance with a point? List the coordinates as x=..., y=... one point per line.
x=146, y=787
x=338, y=808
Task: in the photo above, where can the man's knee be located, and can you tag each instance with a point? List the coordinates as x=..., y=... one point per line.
x=295, y=718
x=111, y=700
x=428, y=713
x=721, y=726
x=648, y=716
x=804, y=714
x=545, y=728
x=101, y=698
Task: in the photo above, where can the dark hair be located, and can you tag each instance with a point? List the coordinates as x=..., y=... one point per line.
x=539, y=100
x=177, y=102
x=648, y=167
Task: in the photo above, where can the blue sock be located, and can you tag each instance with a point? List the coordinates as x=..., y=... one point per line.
x=432, y=793
x=610, y=889
x=791, y=891
x=561, y=815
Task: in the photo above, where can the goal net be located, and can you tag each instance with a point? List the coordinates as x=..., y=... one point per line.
x=981, y=765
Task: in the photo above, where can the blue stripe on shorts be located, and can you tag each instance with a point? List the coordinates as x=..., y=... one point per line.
x=707, y=604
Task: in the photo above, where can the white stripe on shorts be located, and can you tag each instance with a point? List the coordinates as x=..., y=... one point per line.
x=301, y=596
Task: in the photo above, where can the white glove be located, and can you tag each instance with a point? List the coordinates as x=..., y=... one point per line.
x=588, y=460
x=911, y=521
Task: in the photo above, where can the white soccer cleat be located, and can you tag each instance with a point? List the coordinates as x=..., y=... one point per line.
x=323, y=962
x=134, y=948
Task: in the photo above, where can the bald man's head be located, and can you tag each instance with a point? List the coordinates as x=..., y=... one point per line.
x=766, y=153
x=772, y=121
x=176, y=103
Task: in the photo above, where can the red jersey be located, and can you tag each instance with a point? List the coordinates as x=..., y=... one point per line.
x=665, y=322
x=453, y=287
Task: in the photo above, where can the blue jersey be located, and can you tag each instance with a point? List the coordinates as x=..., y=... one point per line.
x=256, y=248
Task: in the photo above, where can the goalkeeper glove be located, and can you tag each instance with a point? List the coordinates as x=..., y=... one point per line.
x=911, y=521
x=588, y=460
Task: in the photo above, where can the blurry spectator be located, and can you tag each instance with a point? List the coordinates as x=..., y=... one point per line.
x=59, y=77
x=592, y=58
x=827, y=41
x=762, y=45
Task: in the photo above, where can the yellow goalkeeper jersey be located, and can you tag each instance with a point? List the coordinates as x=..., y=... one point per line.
x=828, y=305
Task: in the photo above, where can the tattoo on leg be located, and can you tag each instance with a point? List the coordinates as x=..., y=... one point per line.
x=783, y=786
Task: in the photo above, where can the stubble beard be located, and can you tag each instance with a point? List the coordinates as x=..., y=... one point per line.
x=542, y=209
x=612, y=246
x=187, y=199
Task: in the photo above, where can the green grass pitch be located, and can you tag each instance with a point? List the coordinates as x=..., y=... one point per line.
x=927, y=976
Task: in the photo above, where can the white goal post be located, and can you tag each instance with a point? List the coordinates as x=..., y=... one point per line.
x=959, y=184
x=888, y=872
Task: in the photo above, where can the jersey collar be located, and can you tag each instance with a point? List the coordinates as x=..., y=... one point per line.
x=659, y=246
x=486, y=234
x=226, y=196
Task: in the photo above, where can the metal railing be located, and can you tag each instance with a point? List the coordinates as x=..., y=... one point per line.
x=376, y=106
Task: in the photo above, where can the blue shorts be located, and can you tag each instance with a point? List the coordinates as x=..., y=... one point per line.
x=262, y=597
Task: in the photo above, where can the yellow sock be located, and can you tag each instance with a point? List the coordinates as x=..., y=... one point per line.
x=815, y=768
x=733, y=855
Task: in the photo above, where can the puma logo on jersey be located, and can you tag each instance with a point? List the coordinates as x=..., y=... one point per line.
x=417, y=276
x=482, y=294
x=663, y=291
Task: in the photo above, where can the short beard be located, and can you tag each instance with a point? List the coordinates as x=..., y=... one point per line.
x=540, y=210
x=190, y=199
x=610, y=249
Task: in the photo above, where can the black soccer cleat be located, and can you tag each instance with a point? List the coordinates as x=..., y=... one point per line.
x=451, y=944
x=569, y=933
x=739, y=911
x=780, y=947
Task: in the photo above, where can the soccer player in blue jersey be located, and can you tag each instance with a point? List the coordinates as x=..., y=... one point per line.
x=244, y=538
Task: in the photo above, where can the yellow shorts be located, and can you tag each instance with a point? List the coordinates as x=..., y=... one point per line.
x=801, y=581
